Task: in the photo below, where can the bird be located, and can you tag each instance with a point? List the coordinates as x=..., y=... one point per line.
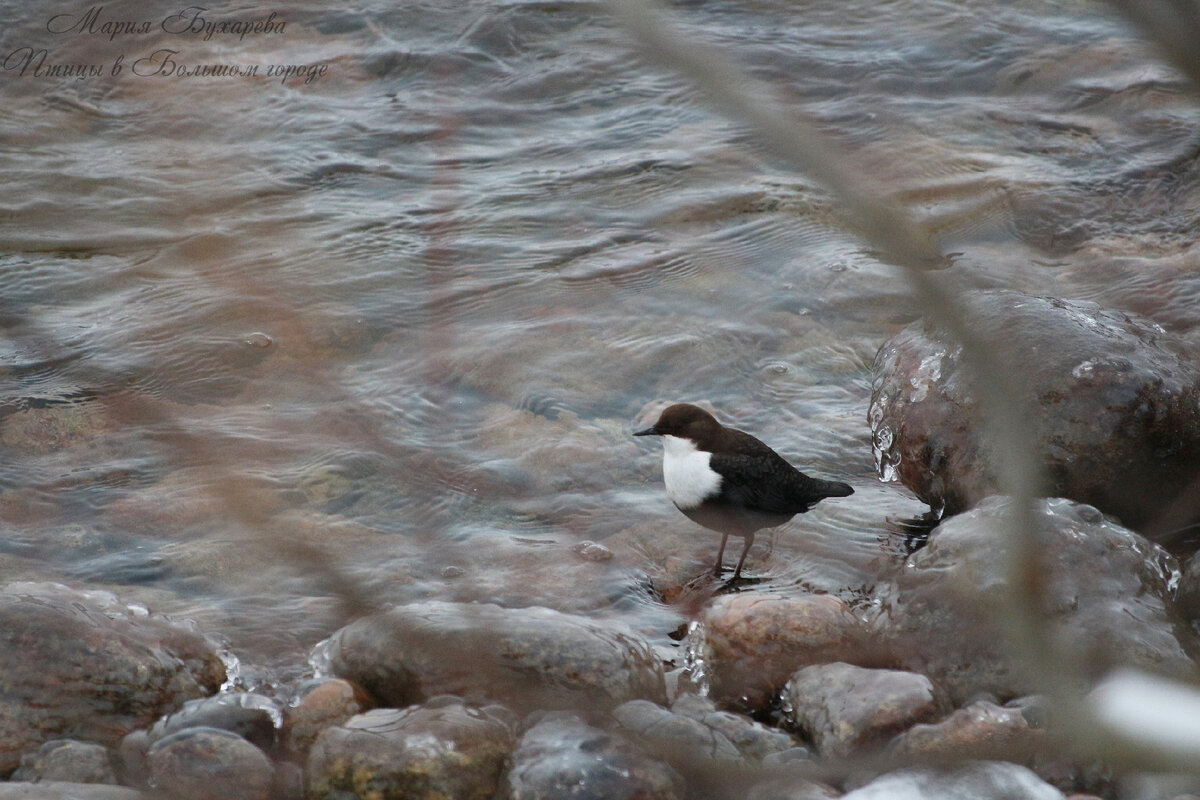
x=730, y=482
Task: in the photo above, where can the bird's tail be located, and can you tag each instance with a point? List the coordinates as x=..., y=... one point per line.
x=835, y=489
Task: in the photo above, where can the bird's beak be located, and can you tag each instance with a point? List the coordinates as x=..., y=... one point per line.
x=651, y=431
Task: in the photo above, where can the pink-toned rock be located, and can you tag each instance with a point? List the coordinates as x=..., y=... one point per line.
x=845, y=709
x=981, y=730
x=324, y=704
x=753, y=643
x=84, y=666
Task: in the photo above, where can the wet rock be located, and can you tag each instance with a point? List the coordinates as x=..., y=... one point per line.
x=289, y=781
x=1115, y=410
x=846, y=709
x=978, y=780
x=1106, y=591
x=67, y=760
x=753, y=740
x=209, y=764
x=563, y=758
x=131, y=756
x=1035, y=708
x=666, y=734
x=81, y=665
x=528, y=658
x=323, y=704
x=65, y=790
x=716, y=749
x=752, y=643
x=788, y=758
x=251, y=716
x=443, y=749
x=980, y=730
x=791, y=789
x=1187, y=596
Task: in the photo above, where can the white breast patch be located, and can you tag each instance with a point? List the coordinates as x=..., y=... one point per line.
x=687, y=473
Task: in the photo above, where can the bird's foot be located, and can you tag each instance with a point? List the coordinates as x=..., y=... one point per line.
x=737, y=583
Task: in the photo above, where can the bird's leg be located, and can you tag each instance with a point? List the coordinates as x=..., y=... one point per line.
x=720, y=555
x=749, y=541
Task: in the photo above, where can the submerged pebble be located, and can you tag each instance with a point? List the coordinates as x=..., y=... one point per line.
x=43, y=430
x=592, y=551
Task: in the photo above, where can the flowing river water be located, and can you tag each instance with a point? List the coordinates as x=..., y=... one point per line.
x=306, y=309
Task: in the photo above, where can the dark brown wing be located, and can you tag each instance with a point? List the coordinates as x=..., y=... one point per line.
x=766, y=482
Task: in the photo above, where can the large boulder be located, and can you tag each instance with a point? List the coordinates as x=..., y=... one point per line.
x=81, y=665
x=1114, y=408
x=526, y=658
x=1106, y=594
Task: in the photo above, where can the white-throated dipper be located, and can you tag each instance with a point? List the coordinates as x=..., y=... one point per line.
x=728, y=481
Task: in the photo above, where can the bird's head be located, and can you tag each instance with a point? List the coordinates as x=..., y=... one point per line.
x=685, y=421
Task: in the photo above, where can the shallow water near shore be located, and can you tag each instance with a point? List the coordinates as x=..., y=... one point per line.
x=271, y=345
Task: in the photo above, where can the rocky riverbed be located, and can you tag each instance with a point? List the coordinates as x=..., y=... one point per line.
x=912, y=688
